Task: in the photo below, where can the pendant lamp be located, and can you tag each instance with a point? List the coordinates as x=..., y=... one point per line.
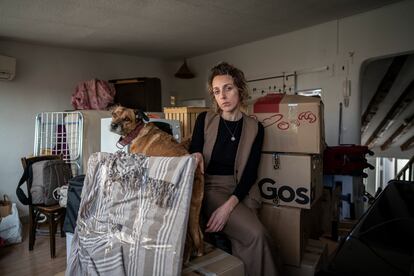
x=184, y=72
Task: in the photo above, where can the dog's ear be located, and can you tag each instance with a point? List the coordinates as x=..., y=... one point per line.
x=113, y=107
x=140, y=115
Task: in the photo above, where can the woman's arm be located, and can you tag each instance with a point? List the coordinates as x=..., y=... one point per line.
x=199, y=160
x=197, y=140
x=220, y=216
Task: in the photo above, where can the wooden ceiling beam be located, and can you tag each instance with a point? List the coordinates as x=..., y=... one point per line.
x=397, y=108
x=408, y=144
x=382, y=90
x=402, y=129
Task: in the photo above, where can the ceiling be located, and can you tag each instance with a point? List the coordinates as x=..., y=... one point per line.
x=167, y=29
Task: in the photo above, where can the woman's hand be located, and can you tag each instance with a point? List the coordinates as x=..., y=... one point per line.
x=221, y=215
x=199, y=160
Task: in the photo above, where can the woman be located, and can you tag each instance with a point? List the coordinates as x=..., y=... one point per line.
x=228, y=144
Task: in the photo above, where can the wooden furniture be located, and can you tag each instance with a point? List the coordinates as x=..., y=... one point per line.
x=187, y=117
x=138, y=93
x=55, y=214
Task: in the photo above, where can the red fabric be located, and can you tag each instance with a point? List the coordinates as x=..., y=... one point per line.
x=2, y=242
x=93, y=94
x=268, y=104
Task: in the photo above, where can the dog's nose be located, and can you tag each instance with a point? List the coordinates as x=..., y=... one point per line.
x=113, y=125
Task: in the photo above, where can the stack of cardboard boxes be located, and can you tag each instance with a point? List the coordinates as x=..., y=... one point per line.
x=290, y=175
x=290, y=181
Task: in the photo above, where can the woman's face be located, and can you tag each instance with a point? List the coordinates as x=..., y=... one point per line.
x=226, y=93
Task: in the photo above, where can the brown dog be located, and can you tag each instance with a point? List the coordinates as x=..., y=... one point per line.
x=150, y=140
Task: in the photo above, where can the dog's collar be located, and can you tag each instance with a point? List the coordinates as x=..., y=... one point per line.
x=123, y=141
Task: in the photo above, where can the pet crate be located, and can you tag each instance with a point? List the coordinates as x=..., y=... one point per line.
x=60, y=133
x=187, y=117
x=75, y=135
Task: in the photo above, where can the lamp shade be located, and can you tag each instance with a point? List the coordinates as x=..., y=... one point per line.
x=184, y=72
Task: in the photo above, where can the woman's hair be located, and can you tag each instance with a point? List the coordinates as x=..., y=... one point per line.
x=239, y=80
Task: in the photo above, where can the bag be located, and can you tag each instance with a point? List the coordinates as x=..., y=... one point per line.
x=5, y=207
x=72, y=207
x=11, y=227
x=61, y=194
x=44, y=176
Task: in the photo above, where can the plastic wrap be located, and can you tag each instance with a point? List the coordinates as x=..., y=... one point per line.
x=11, y=227
x=133, y=215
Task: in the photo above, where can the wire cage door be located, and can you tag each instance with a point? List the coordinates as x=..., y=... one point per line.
x=60, y=133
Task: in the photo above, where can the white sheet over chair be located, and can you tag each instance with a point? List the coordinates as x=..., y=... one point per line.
x=133, y=215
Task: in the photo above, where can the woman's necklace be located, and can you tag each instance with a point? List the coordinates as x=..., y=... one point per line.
x=235, y=129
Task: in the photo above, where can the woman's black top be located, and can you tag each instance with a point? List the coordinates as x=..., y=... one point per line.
x=224, y=152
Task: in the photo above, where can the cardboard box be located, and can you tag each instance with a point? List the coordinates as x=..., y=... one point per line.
x=293, y=123
x=186, y=115
x=5, y=207
x=5, y=210
x=314, y=257
x=285, y=226
x=214, y=262
x=290, y=228
x=290, y=180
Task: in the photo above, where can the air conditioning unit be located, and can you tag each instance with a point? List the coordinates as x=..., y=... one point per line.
x=7, y=68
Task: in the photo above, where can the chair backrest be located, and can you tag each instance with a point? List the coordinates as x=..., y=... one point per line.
x=28, y=161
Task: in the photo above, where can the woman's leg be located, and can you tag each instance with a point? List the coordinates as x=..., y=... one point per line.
x=250, y=240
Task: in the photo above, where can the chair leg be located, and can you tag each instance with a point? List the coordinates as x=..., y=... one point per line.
x=62, y=221
x=52, y=231
x=33, y=215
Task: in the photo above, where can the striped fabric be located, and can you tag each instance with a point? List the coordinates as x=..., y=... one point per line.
x=133, y=215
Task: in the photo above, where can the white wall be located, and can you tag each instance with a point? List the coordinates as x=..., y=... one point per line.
x=382, y=32
x=45, y=80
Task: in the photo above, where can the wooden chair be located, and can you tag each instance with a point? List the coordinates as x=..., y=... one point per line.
x=54, y=214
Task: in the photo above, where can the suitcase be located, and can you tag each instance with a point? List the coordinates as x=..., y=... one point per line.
x=346, y=160
x=72, y=207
